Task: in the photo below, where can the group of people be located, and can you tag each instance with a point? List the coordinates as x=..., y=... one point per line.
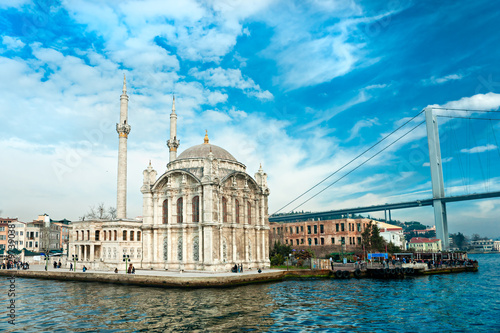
x=237, y=268
x=15, y=264
x=130, y=270
x=57, y=264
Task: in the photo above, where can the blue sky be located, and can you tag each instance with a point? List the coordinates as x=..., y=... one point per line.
x=299, y=86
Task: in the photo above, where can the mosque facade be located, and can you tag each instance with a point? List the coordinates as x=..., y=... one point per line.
x=204, y=212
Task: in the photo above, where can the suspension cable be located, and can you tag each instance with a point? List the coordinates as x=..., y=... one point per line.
x=376, y=154
x=345, y=165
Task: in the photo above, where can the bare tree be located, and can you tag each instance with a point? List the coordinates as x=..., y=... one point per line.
x=100, y=212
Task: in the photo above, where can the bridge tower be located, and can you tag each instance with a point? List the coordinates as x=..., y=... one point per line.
x=437, y=178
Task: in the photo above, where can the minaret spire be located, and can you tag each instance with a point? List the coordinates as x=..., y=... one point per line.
x=123, y=129
x=173, y=143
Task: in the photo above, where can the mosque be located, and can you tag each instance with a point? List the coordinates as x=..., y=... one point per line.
x=204, y=212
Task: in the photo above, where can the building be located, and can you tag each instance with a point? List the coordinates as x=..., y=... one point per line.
x=4, y=231
x=420, y=244
x=485, y=245
x=392, y=234
x=204, y=212
x=322, y=237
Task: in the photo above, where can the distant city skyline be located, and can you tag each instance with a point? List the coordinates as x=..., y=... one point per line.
x=300, y=87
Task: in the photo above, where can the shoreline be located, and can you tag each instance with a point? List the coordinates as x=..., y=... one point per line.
x=205, y=280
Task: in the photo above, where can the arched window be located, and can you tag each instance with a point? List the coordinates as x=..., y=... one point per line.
x=224, y=209
x=77, y=235
x=124, y=235
x=104, y=234
x=97, y=235
x=83, y=237
x=116, y=235
x=196, y=209
x=165, y=211
x=131, y=235
x=249, y=212
x=138, y=235
x=109, y=234
x=237, y=210
x=88, y=234
x=179, y=210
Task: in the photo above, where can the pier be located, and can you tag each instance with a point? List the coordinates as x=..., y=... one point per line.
x=187, y=279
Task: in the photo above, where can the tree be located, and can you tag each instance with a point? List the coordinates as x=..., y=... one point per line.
x=459, y=240
x=100, y=213
x=372, y=239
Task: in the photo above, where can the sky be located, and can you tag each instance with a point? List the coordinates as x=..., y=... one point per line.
x=301, y=87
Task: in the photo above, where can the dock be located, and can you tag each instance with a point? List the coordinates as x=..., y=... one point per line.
x=196, y=279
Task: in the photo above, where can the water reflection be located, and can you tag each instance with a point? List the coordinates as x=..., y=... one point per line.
x=75, y=306
x=467, y=302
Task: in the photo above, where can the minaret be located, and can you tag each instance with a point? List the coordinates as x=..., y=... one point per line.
x=123, y=129
x=173, y=143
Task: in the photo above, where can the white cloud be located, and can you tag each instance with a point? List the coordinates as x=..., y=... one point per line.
x=12, y=43
x=440, y=80
x=360, y=125
x=231, y=78
x=478, y=149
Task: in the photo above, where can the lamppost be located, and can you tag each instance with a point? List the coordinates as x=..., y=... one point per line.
x=289, y=260
x=46, y=259
x=126, y=259
x=75, y=259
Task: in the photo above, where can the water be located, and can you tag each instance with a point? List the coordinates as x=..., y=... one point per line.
x=467, y=302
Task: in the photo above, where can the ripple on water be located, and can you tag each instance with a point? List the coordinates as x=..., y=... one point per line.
x=467, y=302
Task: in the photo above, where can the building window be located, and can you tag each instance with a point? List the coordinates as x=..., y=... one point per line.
x=31, y=244
x=179, y=210
x=224, y=209
x=77, y=235
x=104, y=234
x=359, y=240
x=321, y=228
x=36, y=244
x=196, y=209
x=237, y=210
x=297, y=230
x=309, y=230
x=359, y=227
x=302, y=241
x=124, y=235
x=286, y=241
x=36, y=234
x=21, y=233
x=165, y=211
x=88, y=234
x=301, y=228
x=322, y=241
x=315, y=241
x=249, y=212
x=342, y=227
x=97, y=235
x=343, y=240
x=309, y=241
x=337, y=227
x=315, y=229
x=116, y=235
x=297, y=241
x=333, y=240
x=138, y=235
x=131, y=235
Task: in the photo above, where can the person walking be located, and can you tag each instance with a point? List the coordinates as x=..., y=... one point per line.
x=71, y=267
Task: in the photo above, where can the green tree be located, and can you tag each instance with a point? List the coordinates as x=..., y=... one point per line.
x=372, y=239
x=459, y=240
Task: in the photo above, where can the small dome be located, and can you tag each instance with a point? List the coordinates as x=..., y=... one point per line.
x=202, y=151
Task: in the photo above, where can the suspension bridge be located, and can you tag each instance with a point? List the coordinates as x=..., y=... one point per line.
x=438, y=200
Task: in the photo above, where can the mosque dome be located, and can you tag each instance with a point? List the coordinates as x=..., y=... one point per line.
x=202, y=151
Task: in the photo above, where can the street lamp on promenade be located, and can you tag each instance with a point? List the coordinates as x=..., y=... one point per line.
x=75, y=259
x=126, y=259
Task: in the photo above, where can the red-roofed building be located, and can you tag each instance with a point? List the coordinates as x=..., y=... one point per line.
x=421, y=244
